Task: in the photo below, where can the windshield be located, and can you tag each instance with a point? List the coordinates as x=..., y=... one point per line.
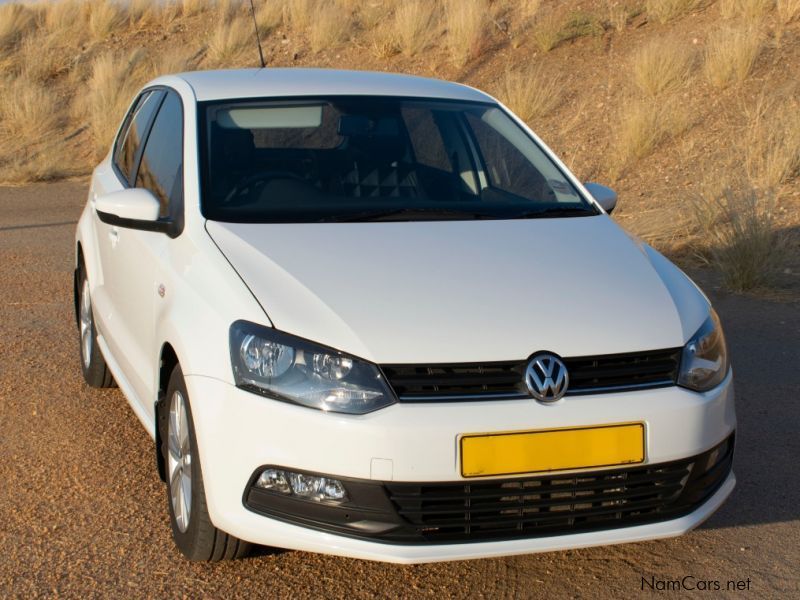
x=347, y=159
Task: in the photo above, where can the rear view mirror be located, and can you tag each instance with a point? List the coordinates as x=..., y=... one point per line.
x=134, y=208
x=605, y=196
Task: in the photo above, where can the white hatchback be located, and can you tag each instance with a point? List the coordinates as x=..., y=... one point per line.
x=373, y=315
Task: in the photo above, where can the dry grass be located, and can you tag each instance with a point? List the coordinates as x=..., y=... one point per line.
x=229, y=41
x=269, y=16
x=788, y=10
x=645, y=124
x=665, y=11
x=617, y=15
x=301, y=13
x=531, y=92
x=104, y=17
x=547, y=31
x=416, y=26
x=330, y=26
x=114, y=81
x=739, y=235
x=662, y=65
x=772, y=144
x=194, y=7
x=65, y=19
x=466, y=28
x=43, y=57
x=747, y=9
x=15, y=21
x=731, y=53
x=28, y=111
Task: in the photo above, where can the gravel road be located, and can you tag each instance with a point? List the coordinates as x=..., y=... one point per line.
x=83, y=513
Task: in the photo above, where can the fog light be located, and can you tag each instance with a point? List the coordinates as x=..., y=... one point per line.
x=275, y=480
x=301, y=485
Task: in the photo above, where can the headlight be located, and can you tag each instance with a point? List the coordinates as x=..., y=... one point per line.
x=704, y=363
x=284, y=367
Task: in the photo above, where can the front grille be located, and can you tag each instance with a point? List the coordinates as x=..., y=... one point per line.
x=587, y=374
x=530, y=507
x=507, y=509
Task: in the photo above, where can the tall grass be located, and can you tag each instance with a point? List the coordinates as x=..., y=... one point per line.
x=547, y=31
x=15, y=21
x=731, y=53
x=330, y=27
x=28, y=111
x=788, y=10
x=643, y=126
x=662, y=65
x=771, y=145
x=113, y=82
x=104, y=17
x=747, y=9
x=229, y=41
x=531, y=92
x=415, y=24
x=739, y=235
x=664, y=11
x=466, y=28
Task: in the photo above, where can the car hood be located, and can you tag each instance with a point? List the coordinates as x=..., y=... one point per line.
x=464, y=291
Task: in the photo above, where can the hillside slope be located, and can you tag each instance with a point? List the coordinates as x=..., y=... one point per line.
x=663, y=99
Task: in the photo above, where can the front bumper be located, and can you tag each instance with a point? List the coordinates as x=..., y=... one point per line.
x=238, y=432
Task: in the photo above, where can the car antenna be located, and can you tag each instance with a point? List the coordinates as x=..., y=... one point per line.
x=258, y=38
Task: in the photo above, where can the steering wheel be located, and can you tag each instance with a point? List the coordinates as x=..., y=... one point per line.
x=258, y=180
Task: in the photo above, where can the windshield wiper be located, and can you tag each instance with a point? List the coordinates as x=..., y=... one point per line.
x=555, y=211
x=399, y=214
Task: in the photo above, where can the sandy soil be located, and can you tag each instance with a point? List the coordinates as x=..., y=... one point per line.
x=83, y=513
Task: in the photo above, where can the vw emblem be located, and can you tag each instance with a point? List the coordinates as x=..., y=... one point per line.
x=546, y=377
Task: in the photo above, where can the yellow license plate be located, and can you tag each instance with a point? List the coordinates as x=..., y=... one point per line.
x=521, y=452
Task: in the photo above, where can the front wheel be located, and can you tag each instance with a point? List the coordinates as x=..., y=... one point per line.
x=192, y=530
x=93, y=365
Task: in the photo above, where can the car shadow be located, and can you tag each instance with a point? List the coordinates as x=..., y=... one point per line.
x=764, y=344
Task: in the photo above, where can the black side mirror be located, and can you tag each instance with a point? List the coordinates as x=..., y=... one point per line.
x=605, y=196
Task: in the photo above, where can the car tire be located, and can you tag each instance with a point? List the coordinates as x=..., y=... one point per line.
x=95, y=370
x=192, y=529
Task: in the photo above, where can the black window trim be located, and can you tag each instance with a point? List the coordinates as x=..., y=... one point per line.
x=125, y=126
x=173, y=224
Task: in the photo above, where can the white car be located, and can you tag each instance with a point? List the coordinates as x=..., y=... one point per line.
x=373, y=315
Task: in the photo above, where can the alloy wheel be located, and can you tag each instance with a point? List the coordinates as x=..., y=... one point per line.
x=180, y=461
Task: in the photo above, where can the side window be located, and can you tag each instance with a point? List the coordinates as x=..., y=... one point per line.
x=130, y=136
x=161, y=167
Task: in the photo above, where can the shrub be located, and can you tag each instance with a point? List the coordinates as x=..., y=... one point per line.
x=466, y=28
x=731, y=53
x=530, y=92
x=662, y=65
x=664, y=11
x=739, y=236
x=330, y=26
x=415, y=25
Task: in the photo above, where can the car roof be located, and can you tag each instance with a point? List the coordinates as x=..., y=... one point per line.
x=280, y=83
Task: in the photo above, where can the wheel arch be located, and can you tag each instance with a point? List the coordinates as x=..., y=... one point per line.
x=76, y=276
x=167, y=361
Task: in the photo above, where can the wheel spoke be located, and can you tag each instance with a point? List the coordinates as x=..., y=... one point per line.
x=179, y=459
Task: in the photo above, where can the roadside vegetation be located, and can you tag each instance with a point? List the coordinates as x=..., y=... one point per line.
x=652, y=96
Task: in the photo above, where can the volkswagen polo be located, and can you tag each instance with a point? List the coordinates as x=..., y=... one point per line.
x=373, y=315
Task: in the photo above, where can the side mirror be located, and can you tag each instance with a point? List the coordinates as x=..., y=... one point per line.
x=133, y=208
x=605, y=196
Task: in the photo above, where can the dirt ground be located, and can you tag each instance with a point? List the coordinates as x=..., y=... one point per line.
x=83, y=513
